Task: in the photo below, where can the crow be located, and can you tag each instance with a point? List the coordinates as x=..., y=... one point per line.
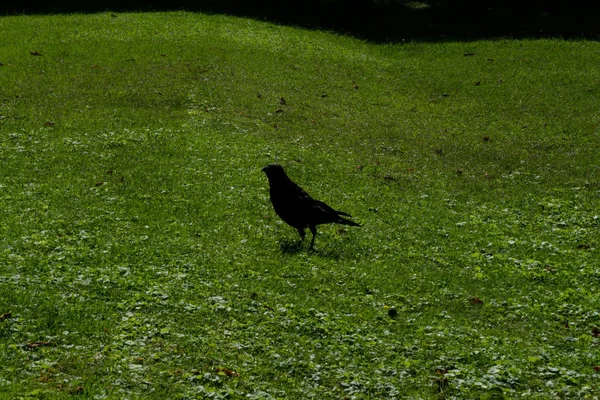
x=296, y=208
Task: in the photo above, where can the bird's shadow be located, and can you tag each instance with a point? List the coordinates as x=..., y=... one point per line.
x=288, y=246
x=292, y=247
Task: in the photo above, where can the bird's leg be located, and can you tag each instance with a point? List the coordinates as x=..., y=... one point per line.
x=302, y=234
x=313, y=229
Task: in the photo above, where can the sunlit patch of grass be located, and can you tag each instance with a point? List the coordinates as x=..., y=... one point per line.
x=418, y=5
x=140, y=256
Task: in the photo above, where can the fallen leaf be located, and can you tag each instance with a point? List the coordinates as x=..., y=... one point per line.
x=475, y=300
x=99, y=183
x=49, y=123
x=478, y=83
x=282, y=101
x=35, y=345
x=469, y=54
x=6, y=315
x=227, y=372
x=77, y=390
x=584, y=246
x=597, y=368
x=486, y=138
x=34, y=53
x=279, y=111
x=596, y=331
x=459, y=172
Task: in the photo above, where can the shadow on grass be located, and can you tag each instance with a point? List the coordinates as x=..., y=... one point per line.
x=288, y=246
x=293, y=247
x=374, y=20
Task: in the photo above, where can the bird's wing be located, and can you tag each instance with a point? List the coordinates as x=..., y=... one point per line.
x=322, y=207
x=299, y=209
x=292, y=204
x=321, y=213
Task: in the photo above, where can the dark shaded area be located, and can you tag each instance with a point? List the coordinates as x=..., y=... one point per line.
x=379, y=20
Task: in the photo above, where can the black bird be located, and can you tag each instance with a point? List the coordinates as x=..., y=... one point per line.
x=296, y=208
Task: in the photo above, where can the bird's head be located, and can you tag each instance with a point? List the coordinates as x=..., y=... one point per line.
x=273, y=170
x=275, y=173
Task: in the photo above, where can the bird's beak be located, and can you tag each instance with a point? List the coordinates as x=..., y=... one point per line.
x=264, y=169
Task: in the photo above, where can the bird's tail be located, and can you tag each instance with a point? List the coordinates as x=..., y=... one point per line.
x=345, y=221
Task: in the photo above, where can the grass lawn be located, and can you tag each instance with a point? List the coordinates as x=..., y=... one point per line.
x=140, y=257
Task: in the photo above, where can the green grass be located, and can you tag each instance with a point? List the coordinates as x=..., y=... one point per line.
x=139, y=250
